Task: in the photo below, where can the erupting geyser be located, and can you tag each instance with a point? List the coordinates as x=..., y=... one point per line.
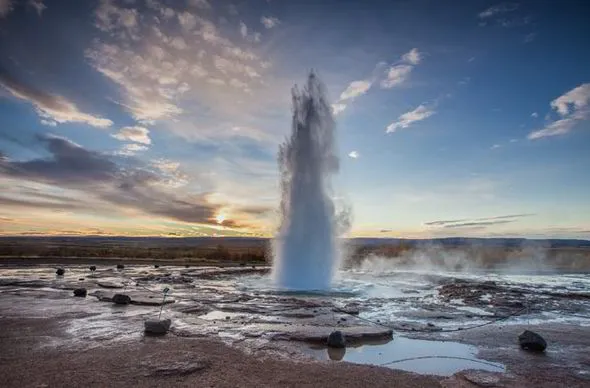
x=305, y=249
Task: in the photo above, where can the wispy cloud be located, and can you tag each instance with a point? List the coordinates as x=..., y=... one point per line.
x=405, y=120
x=399, y=73
x=134, y=134
x=478, y=222
x=355, y=89
x=572, y=107
x=51, y=107
x=354, y=154
x=269, y=21
x=38, y=5
x=498, y=9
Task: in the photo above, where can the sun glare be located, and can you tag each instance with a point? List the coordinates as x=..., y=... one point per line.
x=220, y=218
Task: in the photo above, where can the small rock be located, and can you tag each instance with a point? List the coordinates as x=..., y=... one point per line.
x=81, y=292
x=81, y=279
x=60, y=271
x=186, y=266
x=121, y=299
x=93, y=268
x=531, y=341
x=336, y=339
x=227, y=318
x=157, y=326
x=156, y=266
x=120, y=266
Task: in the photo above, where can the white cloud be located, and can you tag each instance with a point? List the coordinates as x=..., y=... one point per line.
x=49, y=123
x=412, y=57
x=396, y=75
x=355, y=89
x=187, y=21
x=6, y=7
x=578, y=98
x=338, y=108
x=132, y=149
x=134, y=134
x=408, y=118
x=269, y=22
x=353, y=154
x=534, y=115
x=178, y=43
x=573, y=107
x=243, y=30
x=498, y=9
x=495, y=146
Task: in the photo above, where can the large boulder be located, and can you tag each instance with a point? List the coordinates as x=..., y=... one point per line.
x=157, y=326
x=336, y=339
x=81, y=292
x=531, y=341
x=121, y=299
x=60, y=271
x=120, y=266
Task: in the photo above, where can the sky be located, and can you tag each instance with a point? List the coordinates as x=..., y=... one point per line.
x=164, y=118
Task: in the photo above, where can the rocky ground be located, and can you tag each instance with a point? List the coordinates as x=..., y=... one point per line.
x=51, y=338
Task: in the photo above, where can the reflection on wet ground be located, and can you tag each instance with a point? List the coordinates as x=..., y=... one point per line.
x=427, y=357
x=242, y=307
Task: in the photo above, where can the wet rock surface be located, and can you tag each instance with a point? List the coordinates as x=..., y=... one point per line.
x=531, y=341
x=157, y=326
x=201, y=298
x=80, y=292
x=336, y=339
x=121, y=299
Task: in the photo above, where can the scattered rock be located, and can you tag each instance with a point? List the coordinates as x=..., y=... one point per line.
x=336, y=339
x=121, y=299
x=351, y=308
x=531, y=341
x=109, y=285
x=157, y=326
x=60, y=271
x=81, y=292
x=93, y=268
x=120, y=266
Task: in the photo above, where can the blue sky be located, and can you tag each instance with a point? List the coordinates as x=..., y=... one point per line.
x=154, y=117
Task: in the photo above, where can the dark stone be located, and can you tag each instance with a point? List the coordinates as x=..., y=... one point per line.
x=81, y=292
x=121, y=299
x=157, y=326
x=336, y=339
x=186, y=266
x=81, y=279
x=60, y=271
x=120, y=266
x=93, y=268
x=156, y=266
x=531, y=341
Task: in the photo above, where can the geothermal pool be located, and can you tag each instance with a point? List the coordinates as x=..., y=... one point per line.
x=378, y=311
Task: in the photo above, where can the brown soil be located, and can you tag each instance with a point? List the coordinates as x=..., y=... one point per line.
x=169, y=361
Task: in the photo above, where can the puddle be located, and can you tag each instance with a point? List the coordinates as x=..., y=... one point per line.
x=420, y=356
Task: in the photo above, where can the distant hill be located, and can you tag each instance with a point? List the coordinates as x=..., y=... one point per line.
x=257, y=242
